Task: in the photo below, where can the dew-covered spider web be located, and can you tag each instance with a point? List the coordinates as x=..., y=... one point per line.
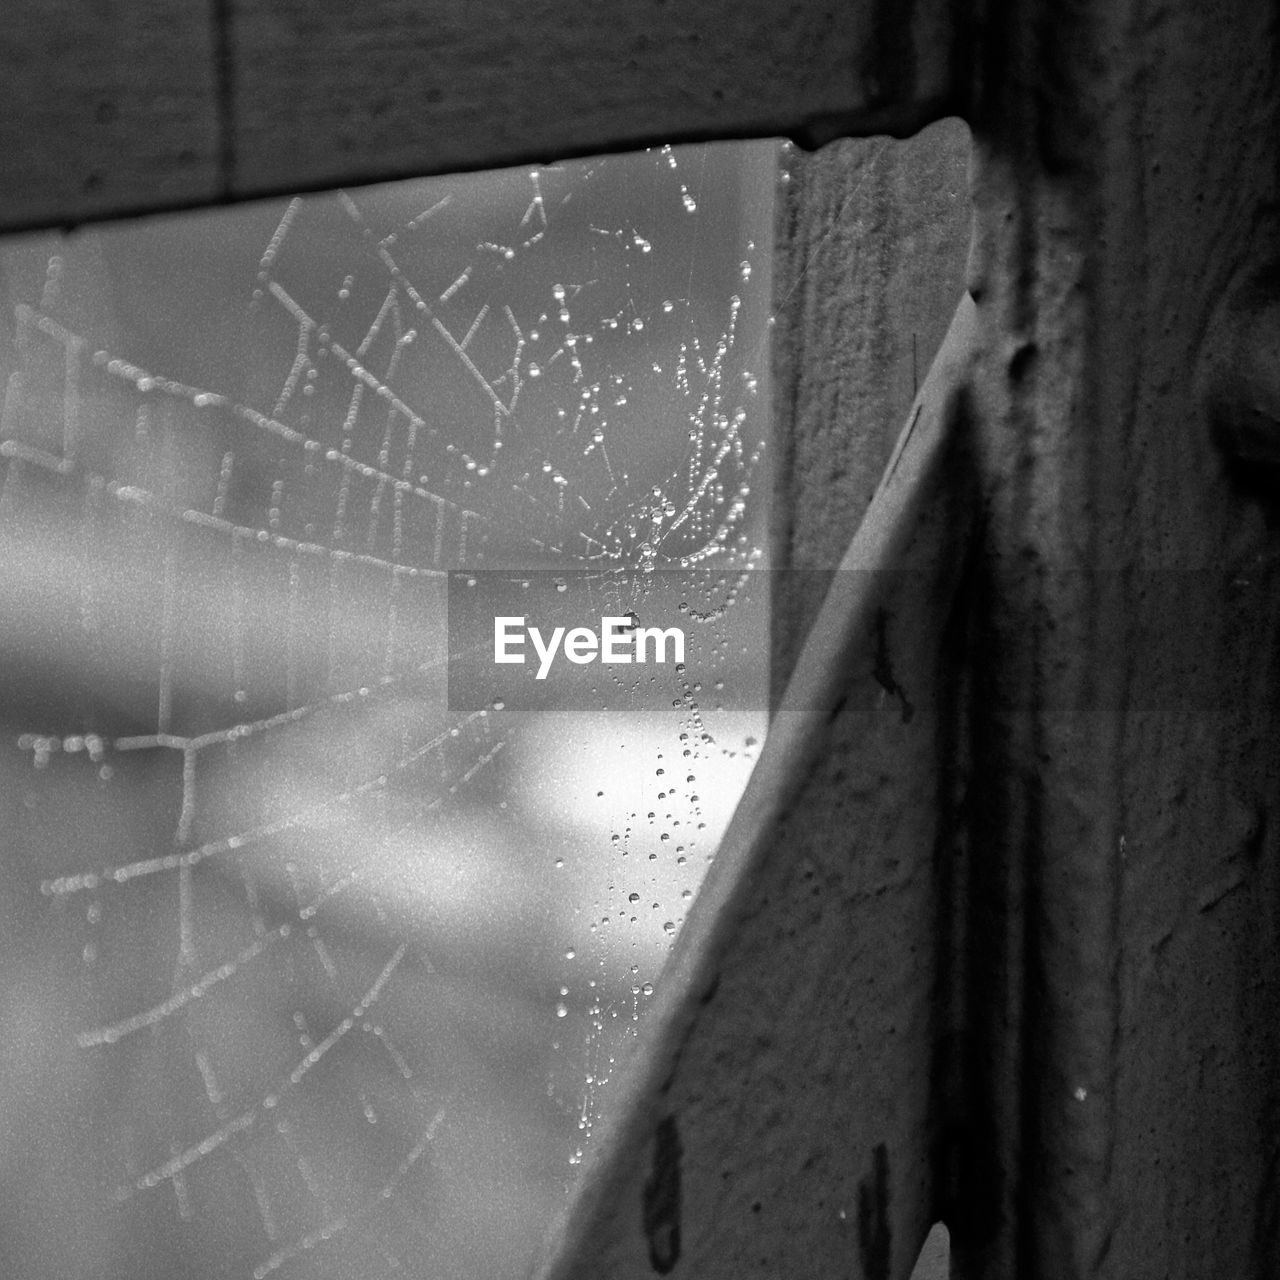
x=308, y=969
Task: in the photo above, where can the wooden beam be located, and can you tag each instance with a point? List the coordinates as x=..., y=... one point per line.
x=1123, y=991
x=106, y=109
x=869, y=258
x=116, y=107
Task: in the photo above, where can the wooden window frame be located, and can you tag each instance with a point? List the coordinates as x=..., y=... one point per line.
x=981, y=964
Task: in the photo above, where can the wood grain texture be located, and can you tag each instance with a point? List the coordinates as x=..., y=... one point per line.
x=1123, y=1003
x=106, y=108
x=113, y=108
x=869, y=265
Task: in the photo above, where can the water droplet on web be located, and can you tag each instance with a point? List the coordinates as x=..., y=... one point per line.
x=669, y=927
x=562, y=1010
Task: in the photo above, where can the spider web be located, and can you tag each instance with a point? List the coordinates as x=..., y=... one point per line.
x=315, y=975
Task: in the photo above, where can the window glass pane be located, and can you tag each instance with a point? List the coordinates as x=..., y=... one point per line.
x=324, y=930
